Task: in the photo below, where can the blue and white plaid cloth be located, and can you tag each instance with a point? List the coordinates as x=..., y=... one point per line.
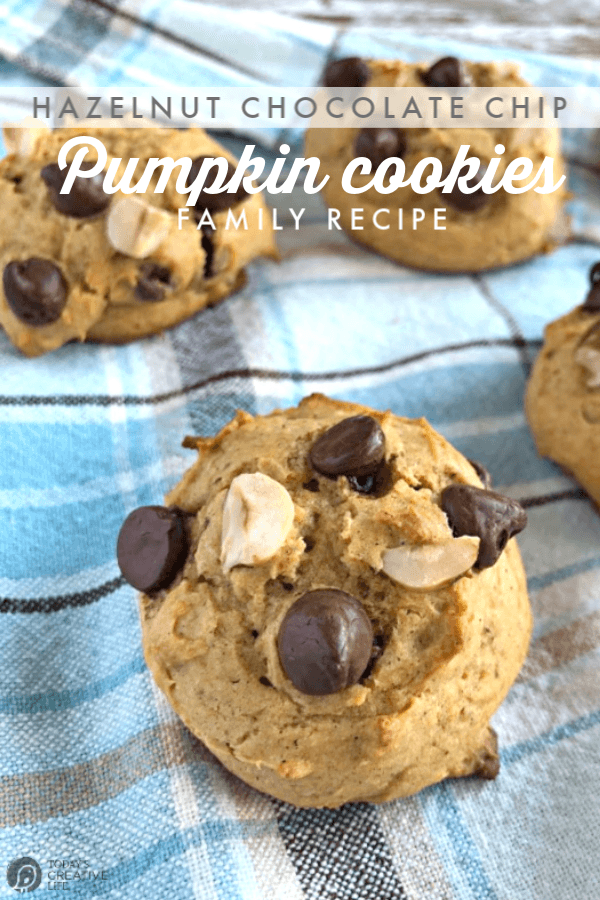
x=94, y=766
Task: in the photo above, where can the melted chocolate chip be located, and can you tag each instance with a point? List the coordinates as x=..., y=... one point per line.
x=355, y=446
x=484, y=475
x=153, y=283
x=468, y=202
x=492, y=518
x=349, y=72
x=592, y=301
x=446, y=72
x=379, y=144
x=325, y=642
x=209, y=248
x=214, y=202
x=152, y=547
x=86, y=197
x=35, y=290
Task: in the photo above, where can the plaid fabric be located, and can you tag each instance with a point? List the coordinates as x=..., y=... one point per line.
x=94, y=765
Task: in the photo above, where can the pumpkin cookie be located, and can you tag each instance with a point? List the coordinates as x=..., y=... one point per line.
x=470, y=231
x=333, y=602
x=87, y=265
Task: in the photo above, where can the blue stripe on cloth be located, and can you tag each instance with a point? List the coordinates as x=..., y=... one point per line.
x=68, y=735
x=545, y=741
x=455, y=842
x=58, y=701
x=539, y=582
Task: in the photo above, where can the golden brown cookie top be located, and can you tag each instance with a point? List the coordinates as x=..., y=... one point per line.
x=114, y=266
x=335, y=569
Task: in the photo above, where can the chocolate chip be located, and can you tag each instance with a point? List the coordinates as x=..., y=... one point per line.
x=312, y=486
x=484, y=475
x=325, y=642
x=446, y=72
x=355, y=446
x=378, y=144
x=214, y=202
x=86, y=197
x=209, y=248
x=153, y=283
x=487, y=515
x=35, y=290
x=151, y=547
x=468, y=202
x=349, y=72
x=592, y=301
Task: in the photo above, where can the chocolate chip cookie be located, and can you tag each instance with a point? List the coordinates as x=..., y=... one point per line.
x=563, y=395
x=470, y=231
x=88, y=265
x=333, y=602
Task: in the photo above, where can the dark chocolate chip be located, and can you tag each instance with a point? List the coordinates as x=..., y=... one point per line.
x=592, y=301
x=349, y=72
x=214, y=202
x=265, y=681
x=35, y=290
x=209, y=248
x=86, y=197
x=468, y=202
x=325, y=642
x=152, y=547
x=488, y=763
x=484, y=475
x=378, y=144
x=312, y=486
x=153, y=283
x=446, y=72
x=355, y=446
x=492, y=518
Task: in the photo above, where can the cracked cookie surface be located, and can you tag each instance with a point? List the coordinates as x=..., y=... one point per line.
x=114, y=288
x=442, y=656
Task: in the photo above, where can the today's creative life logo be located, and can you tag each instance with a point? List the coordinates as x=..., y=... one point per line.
x=24, y=874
